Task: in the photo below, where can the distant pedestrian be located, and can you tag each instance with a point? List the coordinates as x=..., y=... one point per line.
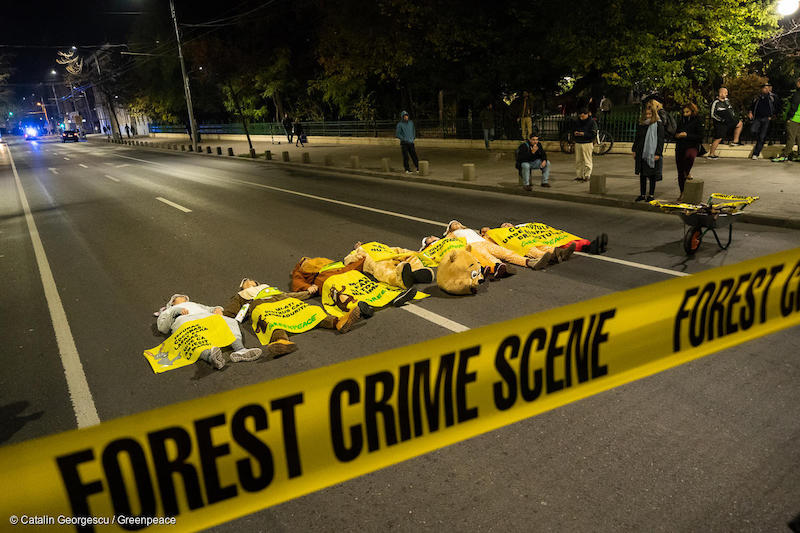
x=764, y=108
x=648, y=150
x=128, y=131
x=133, y=130
x=487, y=124
x=583, y=134
x=725, y=120
x=299, y=133
x=604, y=110
x=104, y=129
x=524, y=109
x=531, y=156
x=792, y=128
x=688, y=143
x=407, y=135
x=287, y=126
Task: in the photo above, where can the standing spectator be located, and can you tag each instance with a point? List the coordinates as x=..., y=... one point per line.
x=725, y=120
x=764, y=108
x=583, y=135
x=648, y=150
x=287, y=126
x=792, y=127
x=530, y=156
x=133, y=129
x=128, y=131
x=487, y=124
x=405, y=132
x=605, y=108
x=297, y=130
x=688, y=143
x=524, y=110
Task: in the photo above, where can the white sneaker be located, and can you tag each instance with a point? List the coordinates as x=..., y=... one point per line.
x=755, y=157
x=245, y=354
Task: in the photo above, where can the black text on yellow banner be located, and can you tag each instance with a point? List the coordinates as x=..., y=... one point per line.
x=214, y=459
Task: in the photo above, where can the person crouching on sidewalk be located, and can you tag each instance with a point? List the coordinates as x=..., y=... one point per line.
x=531, y=155
x=648, y=149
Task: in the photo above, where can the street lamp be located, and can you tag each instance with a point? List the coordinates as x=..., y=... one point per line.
x=787, y=7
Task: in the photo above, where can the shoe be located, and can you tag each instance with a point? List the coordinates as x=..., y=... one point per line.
x=245, y=355
x=501, y=271
x=280, y=347
x=578, y=179
x=564, y=253
x=345, y=323
x=408, y=172
x=406, y=276
x=416, y=171
x=755, y=157
x=527, y=188
x=780, y=159
x=367, y=311
x=547, y=185
x=713, y=157
x=423, y=275
x=740, y=143
x=217, y=360
x=689, y=177
x=603, y=245
x=639, y=199
x=650, y=198
x=488, y=274
x=541, y=263
x=404, y=297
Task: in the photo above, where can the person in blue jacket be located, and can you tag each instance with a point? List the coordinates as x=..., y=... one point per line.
x=405, y=132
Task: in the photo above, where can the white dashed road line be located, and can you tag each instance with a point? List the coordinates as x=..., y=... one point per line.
x=53, y=170
x=173, y=204
x=112, y=178
x=78, y=387
x=66, y=159
x=439, y=320
x=82, y=165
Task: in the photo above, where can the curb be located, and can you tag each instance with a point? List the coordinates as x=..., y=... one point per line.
x=747, y=218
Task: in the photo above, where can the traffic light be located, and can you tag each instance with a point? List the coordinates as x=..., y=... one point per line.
x=10, y=113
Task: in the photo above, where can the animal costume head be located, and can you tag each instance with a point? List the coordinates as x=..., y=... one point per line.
x=459, y=272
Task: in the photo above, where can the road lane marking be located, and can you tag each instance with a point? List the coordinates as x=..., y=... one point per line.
x=66, y=159
x=82, y=165
x=78, y=387
x=112, y=178
x=631, y=264
x=122, y=165
x=53, y=170
x=173, y=204
x=436, y=319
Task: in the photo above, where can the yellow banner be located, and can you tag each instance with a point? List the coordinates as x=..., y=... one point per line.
x=433, y=254
x=522, y=238
x=268, y=292
x=381, y=252
x=289, y=314
x=185, y=345
x=361, y=288
x=214, y=459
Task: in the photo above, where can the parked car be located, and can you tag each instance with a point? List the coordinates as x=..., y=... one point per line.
x=69, y=135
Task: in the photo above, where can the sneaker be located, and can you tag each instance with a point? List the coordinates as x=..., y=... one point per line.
x=546, y=185
x=578, y=179
x=541, y=263
x=650, y=198
x=404, y=297
x=280, y=347
x=603, y=244
x=500, y=271
x=755, y=157
x=488, y=274
x=408, y=172
x=406, y=276
x=564, y=253
x=345, y=323
x=689, y=177
x=780, y=159
x=245, y=355
x=527, y=188
x=639, y=199
x=367, y=311
x=713, y=157
x=423, y=275
x=216, y=358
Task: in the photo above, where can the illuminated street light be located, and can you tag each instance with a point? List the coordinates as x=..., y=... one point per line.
x=53, y=72
x=787, y=7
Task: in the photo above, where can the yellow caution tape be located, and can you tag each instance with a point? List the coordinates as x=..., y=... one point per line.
x=211, y=460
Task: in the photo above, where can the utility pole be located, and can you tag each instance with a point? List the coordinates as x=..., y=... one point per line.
x=192, y=123
x=112, y=115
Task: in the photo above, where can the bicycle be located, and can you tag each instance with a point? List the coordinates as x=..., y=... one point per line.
x=602, y=142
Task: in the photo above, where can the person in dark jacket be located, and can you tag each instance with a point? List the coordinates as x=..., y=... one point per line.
x=764, y=108
x=648, y=150
x=583, y=134
x=299, y=132
x=487, y=124
x=407, y=135
x=287, y=126
x=531, y=156
x=688, y=142
x=725, y=121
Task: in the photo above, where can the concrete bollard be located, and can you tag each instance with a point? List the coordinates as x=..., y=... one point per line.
x=191, y=148
x=328, y=160
x=199, y=149
x=468, y=171
x=354, y=161
x=174, y=146
x=208, y=149
x=385, y=164
x=183, y=148
x=597, y=184
x=285, y=157
x=219, y=150
x=693, y=192
x=252, y=153
x=306, y=157
x=268, y=155
x=424, y=168
x=230, y=151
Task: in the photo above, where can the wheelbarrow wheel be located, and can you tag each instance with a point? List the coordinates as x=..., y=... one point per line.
x=691, y=242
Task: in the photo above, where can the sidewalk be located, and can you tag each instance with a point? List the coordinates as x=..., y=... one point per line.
x=778, y=184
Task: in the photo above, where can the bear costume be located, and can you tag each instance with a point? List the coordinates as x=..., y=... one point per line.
x=459, y=272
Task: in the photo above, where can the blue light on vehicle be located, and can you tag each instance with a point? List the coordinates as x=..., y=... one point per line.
x=30, y=132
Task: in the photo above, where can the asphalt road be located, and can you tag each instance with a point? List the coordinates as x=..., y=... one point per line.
x=711, y=445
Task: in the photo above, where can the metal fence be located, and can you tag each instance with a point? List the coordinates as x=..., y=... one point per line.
x=621, y=126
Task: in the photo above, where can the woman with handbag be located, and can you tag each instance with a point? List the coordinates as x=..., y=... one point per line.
x=688, y=143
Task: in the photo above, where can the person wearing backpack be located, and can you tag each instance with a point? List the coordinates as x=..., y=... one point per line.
x=764, y=108
x=725, y=120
